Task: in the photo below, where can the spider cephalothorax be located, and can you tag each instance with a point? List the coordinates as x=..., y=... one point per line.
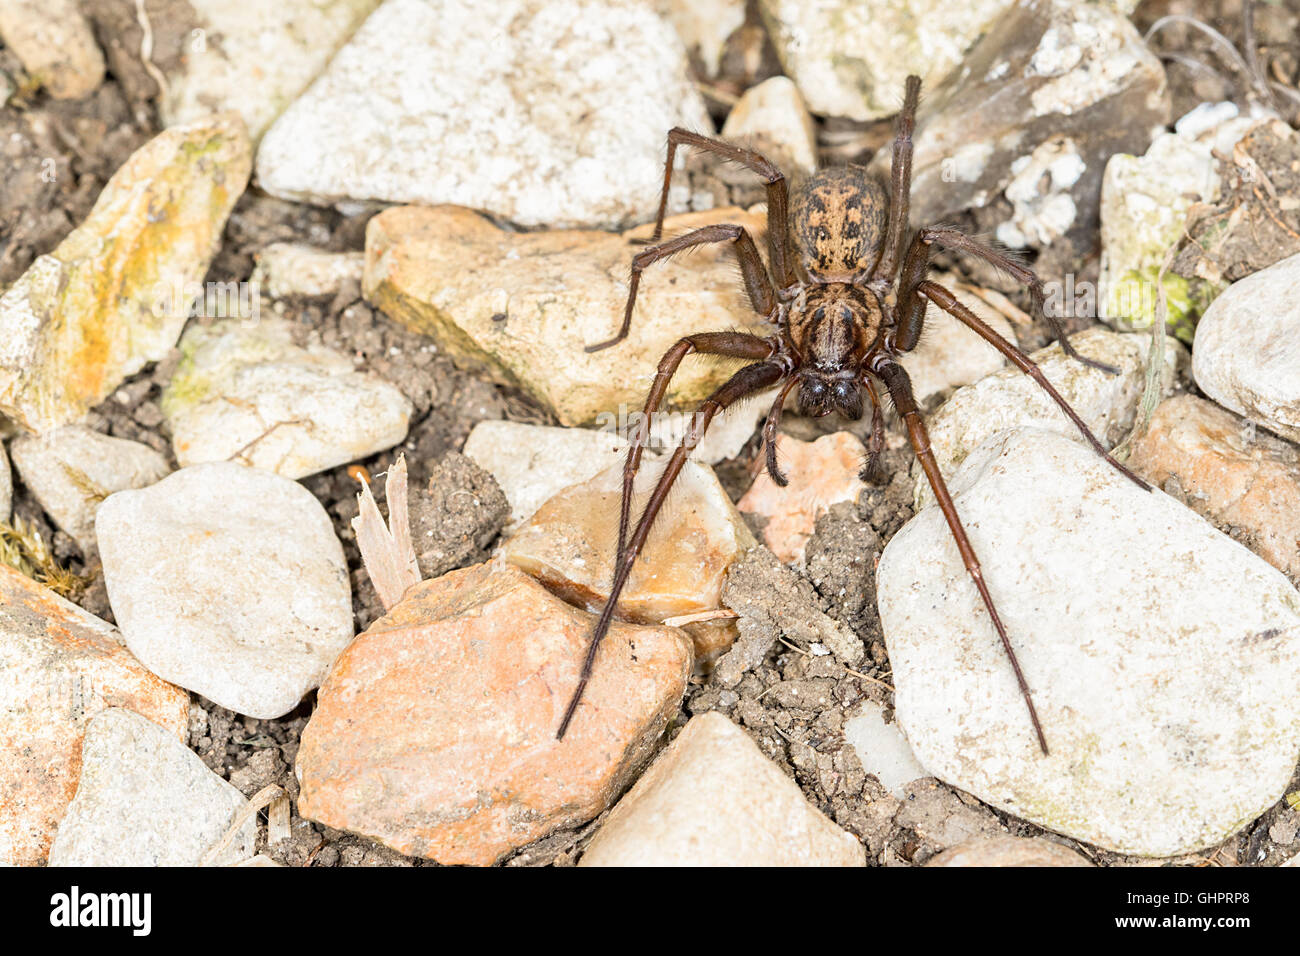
x=847, y=301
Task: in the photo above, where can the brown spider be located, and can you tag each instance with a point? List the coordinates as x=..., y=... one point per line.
x=844, y=310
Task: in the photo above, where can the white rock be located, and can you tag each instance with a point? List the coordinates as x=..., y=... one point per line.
x=547, y=112
x=704, y=26
x=72, y=469
x=246, y=393
x=292, y=269
x=823, y=47
x=6, y=486
x=145, y=799
x=1247, y=351
x=713, y=799
x=773, y=114
x=949, y=354
x=1163, y=657
x=228, y=581
x=256, y=56
x=1010, y=399
x=727, y=434
x=882, y=749
x=55, y=45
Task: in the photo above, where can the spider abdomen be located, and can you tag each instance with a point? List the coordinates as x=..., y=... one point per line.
x=838, y=218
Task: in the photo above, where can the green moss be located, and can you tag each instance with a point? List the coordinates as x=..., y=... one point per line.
x=1133, y=300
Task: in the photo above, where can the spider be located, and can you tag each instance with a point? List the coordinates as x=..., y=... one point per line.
x=845, y=305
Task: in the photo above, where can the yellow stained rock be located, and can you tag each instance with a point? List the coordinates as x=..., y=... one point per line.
x=822, y=473
x=61, y=666
x=435, y=731
x=115, y=293
x=569, y=546
x=522, y=306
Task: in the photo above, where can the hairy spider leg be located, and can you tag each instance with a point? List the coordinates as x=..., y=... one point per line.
x=918, y=255
x=778, y=196
x=945, y=300
x=750, y=379
x=740, y=345
x=762, y=298
x=900, y=389
x=900, y=171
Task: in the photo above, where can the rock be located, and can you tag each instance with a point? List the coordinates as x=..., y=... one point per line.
x=1168, y=708
x=571, y=98
x=245, y=392
x=522, y=306
x=532, y=463
x=435, y=731
x=949, y=354
x=823, y=47
x=1232, y=475
x=1145, y=202
x=6, y=485
x=55, y=45
x=457, y=516
x=228, y=581
x=569, y=545
x=290, y=269
x=773, y=119
x=1004, y=851
x=257, y=57
x=255, y=862
x=713, y=799
x=1010, y=399
x=775, y=603
x=1239, y=359
x=61, y=667
x=72, y=469
x=705, y=26
x=821, y=473
x=882, y=750
x=1035, y=110
x=145, y=799
x=115, y=293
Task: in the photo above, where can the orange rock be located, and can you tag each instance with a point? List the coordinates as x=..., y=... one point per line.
x=821, y=473
x=435, y=731
x=569, y=546
x=60, y=667
x=1229, y=474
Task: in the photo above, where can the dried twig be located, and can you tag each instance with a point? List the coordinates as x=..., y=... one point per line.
x=386, y=547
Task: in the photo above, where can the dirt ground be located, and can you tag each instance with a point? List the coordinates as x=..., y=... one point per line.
x=57, y=156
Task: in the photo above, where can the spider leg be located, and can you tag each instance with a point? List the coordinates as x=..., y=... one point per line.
x=751, y=378
x=945, y=300
x=757, y=283
x=900, y=389
x=876, y=444
x=778, y=198
x=959, y=241
x=900, y=170
x=732, y=344
x=769, y=433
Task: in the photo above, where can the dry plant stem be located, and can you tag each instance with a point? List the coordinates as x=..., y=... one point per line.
x=269, y=796
x=844, y=310
x=386, y=548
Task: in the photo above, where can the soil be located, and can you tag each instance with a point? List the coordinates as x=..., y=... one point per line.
x=56, y=158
